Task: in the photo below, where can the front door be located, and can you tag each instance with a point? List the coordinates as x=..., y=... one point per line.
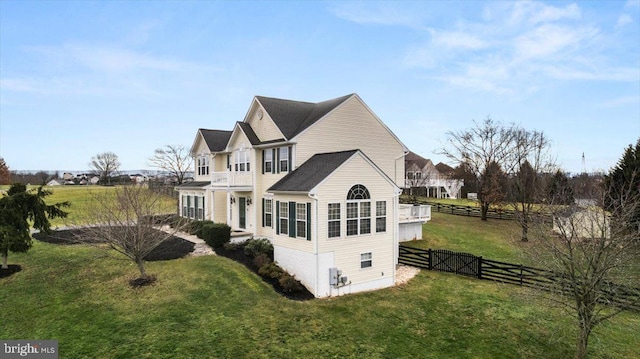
x=242, y=215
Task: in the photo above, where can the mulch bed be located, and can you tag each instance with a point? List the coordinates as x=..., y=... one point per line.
x=172, y=248
x=239, y=256
x=13, y=268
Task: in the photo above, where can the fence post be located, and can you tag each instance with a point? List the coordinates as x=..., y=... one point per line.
x=479, y=267
x=429, y=265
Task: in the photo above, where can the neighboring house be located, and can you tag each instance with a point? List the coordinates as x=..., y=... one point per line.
x=586, y=222
x=422, y=173
x=320, y=180
x=55, y=182
x=138, y=178
x=67, y=176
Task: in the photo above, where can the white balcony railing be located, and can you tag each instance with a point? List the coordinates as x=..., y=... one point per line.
x=409, y=212
x=232, y=179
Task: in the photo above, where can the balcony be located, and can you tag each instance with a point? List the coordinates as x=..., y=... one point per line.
x=414, y=213
x=232, y=180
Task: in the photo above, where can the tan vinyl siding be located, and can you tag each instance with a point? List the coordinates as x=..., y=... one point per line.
x=219, y=207
x=353, y=126
x=284, y=240
x=264, y=128
x=200, y=148
x=347, y=249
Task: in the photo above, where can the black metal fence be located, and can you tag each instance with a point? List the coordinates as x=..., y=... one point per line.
x=475, y=266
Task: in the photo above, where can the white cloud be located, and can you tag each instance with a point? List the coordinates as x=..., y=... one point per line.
x=378, y=13
x=621, y=101
x=623, y=20
x=456, y=40
x=631, y=4
x=549, y=39
x=533, y=12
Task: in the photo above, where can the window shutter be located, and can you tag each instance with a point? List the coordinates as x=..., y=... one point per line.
x=273, y=158
x=228, y=162
x=290, y=162
x=308, y=221
x=263, y=213
x=292, y=219
x=277, y=217
x=263, y=165
x=277, y=161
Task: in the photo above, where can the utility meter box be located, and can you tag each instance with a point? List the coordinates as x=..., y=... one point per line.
x=334, y=276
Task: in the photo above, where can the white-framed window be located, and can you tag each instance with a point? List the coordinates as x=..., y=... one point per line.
x=366, y=260
x=301, y=220
x=284, y=218
x=283, y=155
x=268, y=216
x=268, y=161
x=381, y=216
x=200, y=208
x=243, y=161
x=333, y=225
x=358, y=211
x=203, y=165
x=192, y=208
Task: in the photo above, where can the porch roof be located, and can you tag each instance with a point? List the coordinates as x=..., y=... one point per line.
x=312, y=172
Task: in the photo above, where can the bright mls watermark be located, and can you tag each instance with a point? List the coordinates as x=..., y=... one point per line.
x=40, y=349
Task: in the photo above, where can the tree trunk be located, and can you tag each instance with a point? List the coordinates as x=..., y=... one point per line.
x=484, y=209
x=583, y=341
x=140, y=264
x=525, y=228
x=585, y=317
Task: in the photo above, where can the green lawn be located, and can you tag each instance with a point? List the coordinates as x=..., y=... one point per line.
x=212, y=307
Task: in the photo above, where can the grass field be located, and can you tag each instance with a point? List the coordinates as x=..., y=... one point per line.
x=212, y=307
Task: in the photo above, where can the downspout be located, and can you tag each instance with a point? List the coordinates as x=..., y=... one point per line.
x=316, y=244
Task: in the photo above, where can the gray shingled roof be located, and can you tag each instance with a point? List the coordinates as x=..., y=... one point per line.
x=194, y=184
x=251, y=134
x=293, y=117
x=312, y=172
x=216, y=140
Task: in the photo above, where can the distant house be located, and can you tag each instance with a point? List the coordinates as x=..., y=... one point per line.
x=320, y=180
x=436, y=180
x=587, y=222
x=138, y=178
x=68, y=176
x=55, y=182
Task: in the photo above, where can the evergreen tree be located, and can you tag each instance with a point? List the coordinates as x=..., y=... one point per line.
x=625, y=175
x=18, y=209
x=560, y=190
x=5, y=175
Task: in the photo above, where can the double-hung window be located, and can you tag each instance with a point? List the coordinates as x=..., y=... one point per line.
x=333, y=220
x=203, y=165
x=381, y=216
x=283, y=155
x=358, y=211
x=284, y=217
x=268, y=161
x=243, y=161
x=366, y=260
x=268, y=216
x=301, y=220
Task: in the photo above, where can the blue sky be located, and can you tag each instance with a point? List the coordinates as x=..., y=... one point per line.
x=81, y=78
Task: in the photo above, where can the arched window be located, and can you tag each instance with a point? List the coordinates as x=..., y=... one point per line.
x=358, y=192
x=358, y=211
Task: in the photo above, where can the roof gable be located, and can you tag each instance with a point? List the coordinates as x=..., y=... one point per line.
x=216, y=140
x=293, y=117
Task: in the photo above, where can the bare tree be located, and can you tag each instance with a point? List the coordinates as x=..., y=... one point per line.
x=104, y=165
x=174, y=159
x=128, y=219
x=486, y=143
x=596, y=258
x=528, y=185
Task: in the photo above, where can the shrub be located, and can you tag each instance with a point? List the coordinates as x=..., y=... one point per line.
x=231, y=247
x=196, y=227
x=271, y=270
x=260, y=260
x=255, y=247
x=290, y=284
x=216, y=234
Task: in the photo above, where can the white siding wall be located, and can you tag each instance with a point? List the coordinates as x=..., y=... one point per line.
x=352, y=126
x=199, y=149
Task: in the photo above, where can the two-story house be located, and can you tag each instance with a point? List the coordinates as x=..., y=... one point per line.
x=320, y=180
